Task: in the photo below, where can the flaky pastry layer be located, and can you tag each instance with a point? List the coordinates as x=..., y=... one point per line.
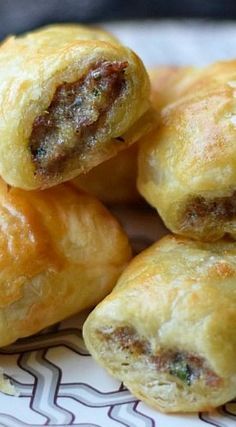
x=167, y=330
x=71, y=97
x=61, y=251
x=187, y=166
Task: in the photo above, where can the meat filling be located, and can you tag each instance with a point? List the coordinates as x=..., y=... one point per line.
x=187, y=367
x=200, y=210
x=68, y=127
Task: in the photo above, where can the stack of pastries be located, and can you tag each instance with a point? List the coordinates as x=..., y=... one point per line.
x=79, y=126
x=71, y=97
x=167, y=330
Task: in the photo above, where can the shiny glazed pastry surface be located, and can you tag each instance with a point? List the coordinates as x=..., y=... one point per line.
x=71, y=97
x=60, y=252
x=167, y=330
x=187, y=166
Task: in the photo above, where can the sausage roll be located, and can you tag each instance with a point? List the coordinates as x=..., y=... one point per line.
x=71, y=97
x=114, y=181
x=167, y=330
x=168, y=83
x=187, y=166
x=60, y=252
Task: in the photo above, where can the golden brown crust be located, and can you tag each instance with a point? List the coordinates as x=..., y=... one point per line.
x=61, y=251
x=114, y=181
x=161, y=330
x=169, y=83
x=187, y=167
x=33, y=67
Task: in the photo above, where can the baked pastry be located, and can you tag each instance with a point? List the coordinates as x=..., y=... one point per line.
x=60, y=252
x=114, y=181
x=169, y=83
x=71, y=97
x=187, y=167
x=167, y=330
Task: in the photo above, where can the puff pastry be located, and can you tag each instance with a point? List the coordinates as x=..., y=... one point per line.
x=114, y=181
x=168, y=83
x=167, y=330
x=60, y=252
x=71, y=97
x=187, y=167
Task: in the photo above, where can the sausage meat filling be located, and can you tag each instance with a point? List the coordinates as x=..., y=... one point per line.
x=200, y=210
x=187, y=367
x=68, y=127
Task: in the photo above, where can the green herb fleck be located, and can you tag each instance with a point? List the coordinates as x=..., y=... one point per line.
x=96, y=92
x=40, y=152
x=181, y=370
